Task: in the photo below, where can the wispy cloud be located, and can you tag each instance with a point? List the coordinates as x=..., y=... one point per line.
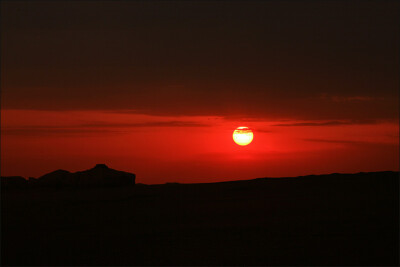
x=327, y=123
x=103, y=127
x=333, y=141
x=263, y=131
x=49, y=130
x=352, y=142
x=145, y=124
x=354, y=98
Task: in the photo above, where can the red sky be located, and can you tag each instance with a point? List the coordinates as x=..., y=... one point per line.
x=157, y=88
x=191, y=148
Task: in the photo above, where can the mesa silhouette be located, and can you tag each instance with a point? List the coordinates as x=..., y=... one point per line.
x=334, y=219
x=99, y=176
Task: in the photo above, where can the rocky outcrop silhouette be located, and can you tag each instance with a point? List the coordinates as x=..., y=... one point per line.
x=56, y=178
x=13, y=182
x=311, y=218
x=103, y=176
x=100, y=175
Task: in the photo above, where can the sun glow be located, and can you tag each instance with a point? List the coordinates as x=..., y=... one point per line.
x=243, y=136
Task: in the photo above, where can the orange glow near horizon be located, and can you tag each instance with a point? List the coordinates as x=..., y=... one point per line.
x=190, y=149
x=243, y=136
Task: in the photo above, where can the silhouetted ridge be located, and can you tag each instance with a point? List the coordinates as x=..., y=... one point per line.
x=101, y=166
x=317, y=220
x=57, y=178
x=99, y=175
x=13, y=181
x=102, y=175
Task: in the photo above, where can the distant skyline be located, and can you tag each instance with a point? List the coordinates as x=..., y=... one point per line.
x=156, y=88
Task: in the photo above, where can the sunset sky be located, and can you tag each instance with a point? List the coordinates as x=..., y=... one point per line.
x=157, y=88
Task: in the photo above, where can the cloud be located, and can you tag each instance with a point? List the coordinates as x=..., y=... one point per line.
x=333, y=141
x=328, y=123
x=353, y=142
x=103, y=127
x=359, y=98
x=146, y=124
x=252, y=64
x=48, y=130
x=263, y=131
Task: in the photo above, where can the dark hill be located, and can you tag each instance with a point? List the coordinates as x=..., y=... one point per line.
x=98, y=176
x=337, y=219
x=14, y=182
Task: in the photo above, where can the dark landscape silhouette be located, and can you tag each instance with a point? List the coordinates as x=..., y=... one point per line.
x=84, y=218
x=100, y=175
x=181, y=99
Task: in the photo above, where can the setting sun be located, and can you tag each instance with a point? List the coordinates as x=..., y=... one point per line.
x=243, y=136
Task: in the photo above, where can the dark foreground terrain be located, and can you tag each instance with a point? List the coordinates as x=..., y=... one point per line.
x=312, y=220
